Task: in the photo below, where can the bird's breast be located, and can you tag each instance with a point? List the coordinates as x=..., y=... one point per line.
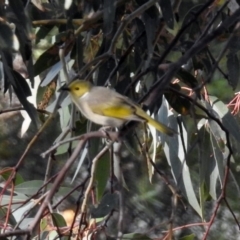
x=97, y=118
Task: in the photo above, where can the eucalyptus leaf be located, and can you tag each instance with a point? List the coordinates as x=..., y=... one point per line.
x=233, y=69
x=167, y=11
x=58, y=220
x=102, y=175
x=136, y=236
x=227, y=119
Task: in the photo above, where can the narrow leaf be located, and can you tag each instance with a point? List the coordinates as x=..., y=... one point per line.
x=109, y=8
x=135, y=236
x=227, y=119
x=219, y=158
x=233, y=69
x=58, y=220
x=102, y=174
x=174, y=152
x=167, y=12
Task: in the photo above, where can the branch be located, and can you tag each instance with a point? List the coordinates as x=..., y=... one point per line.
x=196, y=48
x=65, y=169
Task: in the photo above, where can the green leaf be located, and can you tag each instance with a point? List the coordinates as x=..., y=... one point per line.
x=58, y=220
x=43, y=32
x=44, y=235
x=18, y=9
x=107, y=204
x=43, y=224
x=63, y=191
x=227, y=118
x=167, y=11
x=4, y=213
x=102, y=174
x=55, y=69
x=30, y=187
x=46, y=60
x=188, y=237
x=16, y=200
x=178, y=103
x=20, y=88
x=187, y=78
x=81, y=159
x=233, y=69
x=174, y=152
x=7, y=172
x=6, y=36
x=207, y=164
x=202, y=199
x=20, y=211
x=53, y=235
x=218, y=172
x=109, y=10
x=136, y=236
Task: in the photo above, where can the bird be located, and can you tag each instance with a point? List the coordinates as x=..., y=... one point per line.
x=106, y=107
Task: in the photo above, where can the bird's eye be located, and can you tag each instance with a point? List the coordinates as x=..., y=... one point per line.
x=77, y=88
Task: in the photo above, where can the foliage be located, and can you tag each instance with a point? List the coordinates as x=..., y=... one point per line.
x=169, y=56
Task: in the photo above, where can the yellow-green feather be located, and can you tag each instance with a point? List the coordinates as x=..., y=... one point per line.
x=122, y=112
x=159, y=126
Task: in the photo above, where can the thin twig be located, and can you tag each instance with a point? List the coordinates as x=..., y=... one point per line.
x=128, y=19
x=15, y=109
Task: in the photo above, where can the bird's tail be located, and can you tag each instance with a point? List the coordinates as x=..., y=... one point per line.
x=159, y=126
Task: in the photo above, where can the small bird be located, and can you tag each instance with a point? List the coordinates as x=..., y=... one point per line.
x=106, y=107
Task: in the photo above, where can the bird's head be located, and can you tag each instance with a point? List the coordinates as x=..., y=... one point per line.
x=77, y=88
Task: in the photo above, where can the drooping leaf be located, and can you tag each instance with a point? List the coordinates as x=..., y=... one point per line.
x=187, y=78
x=104, y=72
x=46, y=60
x=102, y=175
x=234, y=44
x=233, y=69
x=55, y=69
x=3, y=215
x=29, y=187
x=227, y=118
x=175, y=155
x=53, y=235
x=167, y=12
x=109, y=8
x=7, y=172
x=79, y=51
x=21, y=89
x=193, y=30
x=80, y=162
x=139, y=29
x=42, y=32
x=219, y=172
x=188, y=237
x=178, y=103
x=6, y=36
x=58, y=220
x=107, y=204
x=16, y=201
x=43, y=224
x=18, y=8
x=154, y=147
x=19, y=212
x=136, y=236
x=150, y=28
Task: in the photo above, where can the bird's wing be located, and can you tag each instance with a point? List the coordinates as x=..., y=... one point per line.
x=114, y=109
x=113, y=104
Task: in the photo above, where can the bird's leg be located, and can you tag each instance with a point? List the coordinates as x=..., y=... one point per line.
x=105, y=130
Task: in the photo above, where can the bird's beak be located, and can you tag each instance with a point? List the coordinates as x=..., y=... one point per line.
x=63, y=88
